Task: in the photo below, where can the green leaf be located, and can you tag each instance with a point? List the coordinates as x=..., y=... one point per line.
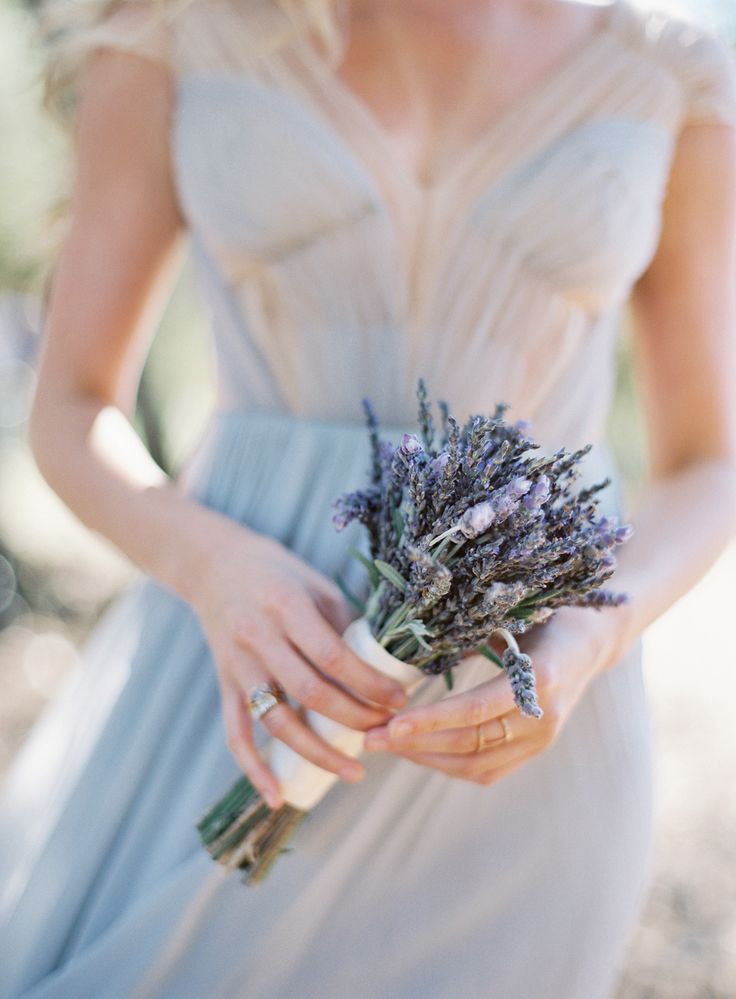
x=398, y=521
x=373, y=602
x=484, y=650
x=367, y=564
x=394, y=577
x=389, y=626
x=349, y=595
x=419, y=629
x=449, y=681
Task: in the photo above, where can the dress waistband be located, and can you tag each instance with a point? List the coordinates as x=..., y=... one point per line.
x=285, y=431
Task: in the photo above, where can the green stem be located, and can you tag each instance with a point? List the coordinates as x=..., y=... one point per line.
x=453, y=554
x=447, y=540
x=405, y=648
x=397, y=618
x=507, y=637
x=487, y=651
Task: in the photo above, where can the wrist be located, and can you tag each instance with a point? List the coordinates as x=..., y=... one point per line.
x=617, y=633
x=194, y=538
x=607, y=632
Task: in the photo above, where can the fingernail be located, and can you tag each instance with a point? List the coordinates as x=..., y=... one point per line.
x=375, y=740
x=352, y=773
x=401, y=728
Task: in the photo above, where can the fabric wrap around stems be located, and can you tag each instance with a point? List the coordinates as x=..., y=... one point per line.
x=304, y=784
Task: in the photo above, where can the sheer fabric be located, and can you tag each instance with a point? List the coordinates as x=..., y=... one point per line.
x=503, y=280
x=329, y=273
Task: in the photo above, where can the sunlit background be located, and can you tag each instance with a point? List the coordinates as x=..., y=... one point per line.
x=56, y=577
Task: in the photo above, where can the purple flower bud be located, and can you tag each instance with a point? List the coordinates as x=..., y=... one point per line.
x=505, y=500
x=519, y=670
x=410, y=444
x=477, y=519
x=357, y=505
x=538, y=494
x=499, y=597
x=518, y=487
x=609, y=533
x=623, y=533
x=602, y=598
x=437, y=465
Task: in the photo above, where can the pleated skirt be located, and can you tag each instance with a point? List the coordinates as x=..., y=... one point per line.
x=408, y=885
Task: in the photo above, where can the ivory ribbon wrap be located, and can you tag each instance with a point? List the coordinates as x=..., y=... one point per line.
x=303, y=784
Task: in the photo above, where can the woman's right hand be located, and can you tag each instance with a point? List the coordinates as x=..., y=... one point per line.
x=268, y=615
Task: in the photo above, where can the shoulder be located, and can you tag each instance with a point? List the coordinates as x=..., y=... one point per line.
x=137, y=26
x=227, y=34
x=186, y=35
x=697, y=65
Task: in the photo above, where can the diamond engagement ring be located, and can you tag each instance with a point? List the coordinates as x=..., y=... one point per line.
x=265, y=696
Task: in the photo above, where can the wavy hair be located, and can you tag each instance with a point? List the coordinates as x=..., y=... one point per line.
x=66, y=29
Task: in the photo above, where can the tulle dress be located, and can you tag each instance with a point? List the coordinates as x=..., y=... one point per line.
x=330, y=273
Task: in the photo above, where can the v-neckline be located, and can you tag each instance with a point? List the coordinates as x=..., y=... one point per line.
x=566, y=69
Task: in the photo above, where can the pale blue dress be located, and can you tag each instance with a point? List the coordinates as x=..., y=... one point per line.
x=329, y=273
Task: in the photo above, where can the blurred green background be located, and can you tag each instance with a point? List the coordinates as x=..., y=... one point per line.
x=56, y=577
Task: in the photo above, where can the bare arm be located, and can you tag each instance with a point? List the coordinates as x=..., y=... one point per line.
x=283, y=618
x=684, y=315
x=111, y=282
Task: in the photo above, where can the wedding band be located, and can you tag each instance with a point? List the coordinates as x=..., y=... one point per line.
x=265, y=696
x=481, y=744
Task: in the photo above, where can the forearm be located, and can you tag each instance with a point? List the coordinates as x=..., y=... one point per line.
x=94, y=460
x=682, y=524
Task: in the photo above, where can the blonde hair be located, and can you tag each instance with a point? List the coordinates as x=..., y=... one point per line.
x=67, y=28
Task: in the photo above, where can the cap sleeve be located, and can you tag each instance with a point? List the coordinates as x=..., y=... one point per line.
x=705, y=66
x=137, y=26
x=711, y=94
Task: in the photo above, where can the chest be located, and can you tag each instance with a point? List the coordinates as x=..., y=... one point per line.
x=266, y=176
x=434, y=84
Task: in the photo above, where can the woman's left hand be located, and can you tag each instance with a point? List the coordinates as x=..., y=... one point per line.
x=462, y=734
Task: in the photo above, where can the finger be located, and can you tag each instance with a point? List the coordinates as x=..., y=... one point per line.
x=238, y=726
x=486, y=700
x=278, y=658
x=494, y=776
x=328, y=651
x=450, y=740
x=284, y=723
x=314, y=690
x=469, y=767
x=332, y=605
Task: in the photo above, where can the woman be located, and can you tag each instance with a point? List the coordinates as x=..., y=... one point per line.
x=466, y=191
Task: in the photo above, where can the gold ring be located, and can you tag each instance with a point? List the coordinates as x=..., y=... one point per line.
x=481, y=744
x=265, y=696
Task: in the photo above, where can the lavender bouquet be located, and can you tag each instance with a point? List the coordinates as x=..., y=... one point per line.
x=470, y=535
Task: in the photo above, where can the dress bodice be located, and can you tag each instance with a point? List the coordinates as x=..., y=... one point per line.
x=329, y=273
